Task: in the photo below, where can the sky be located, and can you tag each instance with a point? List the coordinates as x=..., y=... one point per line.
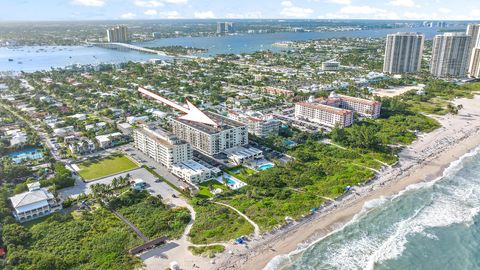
x=38, y=10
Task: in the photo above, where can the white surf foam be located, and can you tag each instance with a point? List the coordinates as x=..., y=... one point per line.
x=442, y=212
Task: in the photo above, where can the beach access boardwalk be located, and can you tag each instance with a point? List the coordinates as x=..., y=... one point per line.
x=130, y=224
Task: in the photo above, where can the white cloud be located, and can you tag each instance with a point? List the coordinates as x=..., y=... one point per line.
x=169, y=14
x=360, y=12
x=158, y=3
x=128, y=15
x=247, y=15
x=402, y=3
x=149, y=4
x=150, y=12
x=339, y=2
x=204, y=14
x=290, y=10
x=90, y=3
x=176, y=1
x=444, y=10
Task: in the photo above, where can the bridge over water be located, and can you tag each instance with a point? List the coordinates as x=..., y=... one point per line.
x=127, y=47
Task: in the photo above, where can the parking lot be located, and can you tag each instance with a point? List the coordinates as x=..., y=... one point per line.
x=154, y=187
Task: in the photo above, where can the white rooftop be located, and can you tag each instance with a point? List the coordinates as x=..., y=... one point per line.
x=31, y=199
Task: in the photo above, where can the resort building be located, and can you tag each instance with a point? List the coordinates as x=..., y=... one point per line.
x=331, y=65
x=36, y=202
x=278, y=91
x=325, y=115
x=258, y=124
x=364, y=107
x=336, y=110
x=192, y=171
x=162, y=146
x=403, y=52
x=118, y=34
x=474, y=69
x=209, y=139
x=450, y=55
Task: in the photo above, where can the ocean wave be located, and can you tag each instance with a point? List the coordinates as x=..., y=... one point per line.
x=446, y=203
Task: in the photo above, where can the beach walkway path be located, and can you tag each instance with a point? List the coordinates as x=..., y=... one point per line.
x=255, y=226
x=129, y=224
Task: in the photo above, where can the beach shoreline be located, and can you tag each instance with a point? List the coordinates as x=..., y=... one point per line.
x=424, y=160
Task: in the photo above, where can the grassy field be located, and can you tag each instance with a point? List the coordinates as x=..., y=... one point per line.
x=216, y=223
x=91, y=170
x=204, y=187
x=240, y=172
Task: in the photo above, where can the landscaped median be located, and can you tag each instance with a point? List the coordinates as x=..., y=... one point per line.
x=91, y=170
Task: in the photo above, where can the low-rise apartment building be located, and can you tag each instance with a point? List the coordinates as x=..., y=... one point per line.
x=192, y=171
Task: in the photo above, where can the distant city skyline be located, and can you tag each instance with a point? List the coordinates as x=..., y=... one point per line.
x=34, y=10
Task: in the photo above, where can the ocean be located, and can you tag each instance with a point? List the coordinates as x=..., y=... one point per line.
x=432, y=226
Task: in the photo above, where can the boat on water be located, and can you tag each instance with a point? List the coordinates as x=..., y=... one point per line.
x=10, y=60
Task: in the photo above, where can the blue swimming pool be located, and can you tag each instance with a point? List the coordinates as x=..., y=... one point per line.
x=30, y=154
x=265, y=166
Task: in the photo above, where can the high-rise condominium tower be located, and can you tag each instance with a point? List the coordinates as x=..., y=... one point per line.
x=474, y=69
x=117, y=34
x=473, y=30
x=403, y=52
x=450, y=55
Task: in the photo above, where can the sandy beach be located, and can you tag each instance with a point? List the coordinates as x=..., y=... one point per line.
x=424, y=160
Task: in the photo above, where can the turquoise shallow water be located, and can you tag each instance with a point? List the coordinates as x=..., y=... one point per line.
x=433, y=225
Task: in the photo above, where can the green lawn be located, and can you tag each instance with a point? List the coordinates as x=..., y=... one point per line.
x=240, y=172
x=204, y=187
x=91, y=170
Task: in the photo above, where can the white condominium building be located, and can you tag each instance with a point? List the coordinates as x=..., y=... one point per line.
x=403, y=52
x=208, y=139
x=118, y=34
x=323, y=114
x=473, y=30
x=192, y=171
x=331, y=65
x=258, y=124
x=474, y=69
x=450, y=55
x=162, y=146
